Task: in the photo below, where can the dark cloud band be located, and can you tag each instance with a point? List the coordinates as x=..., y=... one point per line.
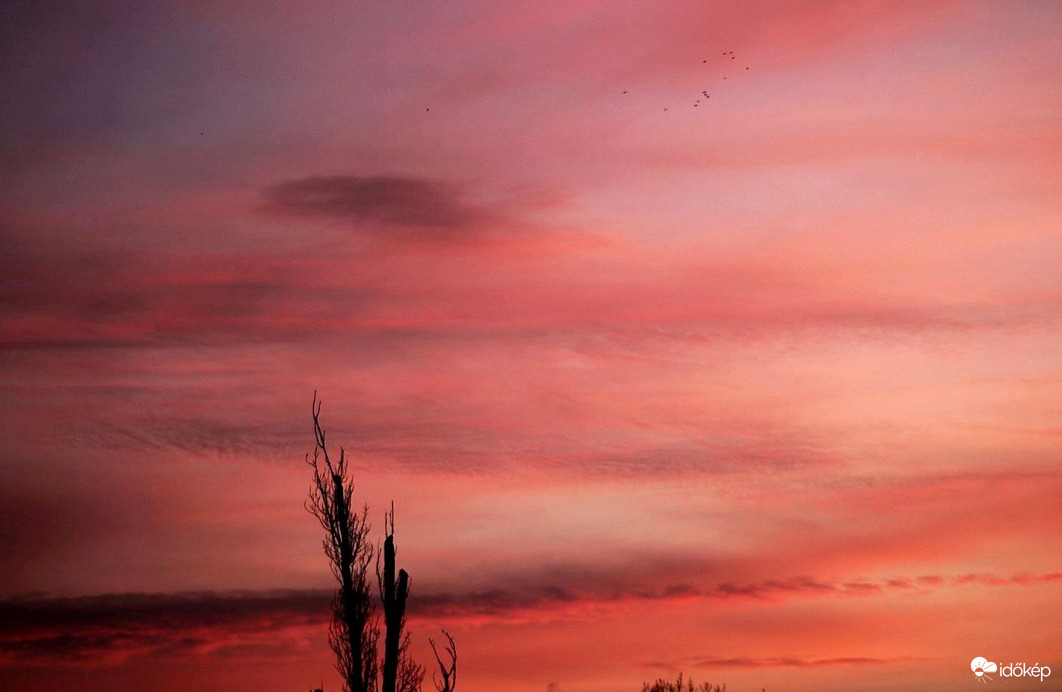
x=93, y=629
x=430, y=207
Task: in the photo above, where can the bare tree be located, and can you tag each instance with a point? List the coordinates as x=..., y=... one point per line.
x=355, y=632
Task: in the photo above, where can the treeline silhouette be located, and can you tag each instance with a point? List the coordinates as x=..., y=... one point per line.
x=682, y=684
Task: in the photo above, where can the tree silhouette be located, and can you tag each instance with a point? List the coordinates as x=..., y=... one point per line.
x=354, y=633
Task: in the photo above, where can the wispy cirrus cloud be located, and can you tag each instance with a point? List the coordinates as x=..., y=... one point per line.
x=86, y=294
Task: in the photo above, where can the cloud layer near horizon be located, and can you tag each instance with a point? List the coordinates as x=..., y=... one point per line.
x=105, y=630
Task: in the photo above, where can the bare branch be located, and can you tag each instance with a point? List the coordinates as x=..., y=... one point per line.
x=410, y=673
x=448, y=670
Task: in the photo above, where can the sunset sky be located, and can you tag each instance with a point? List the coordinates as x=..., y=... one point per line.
x=721, y=337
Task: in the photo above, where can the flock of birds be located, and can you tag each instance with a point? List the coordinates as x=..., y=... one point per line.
x=704, y=92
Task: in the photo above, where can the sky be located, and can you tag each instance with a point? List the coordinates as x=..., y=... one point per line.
x=715, y=337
